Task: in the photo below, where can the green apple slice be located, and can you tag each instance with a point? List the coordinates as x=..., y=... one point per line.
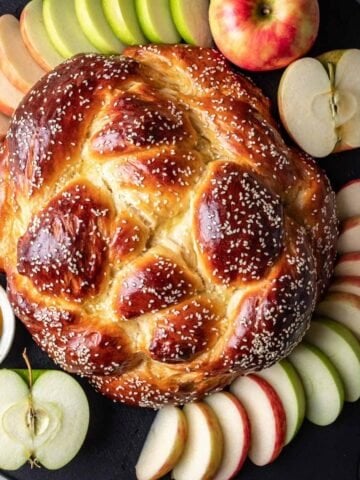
x=64, y=29
x=13, y=390
x=122, y=18
x=343, y=349
x=287, y=384
x=192, y=21
x=156, y=21
x=323, y=387
x=94, y=25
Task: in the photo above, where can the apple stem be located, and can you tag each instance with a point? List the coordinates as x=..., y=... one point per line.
x=28, y=366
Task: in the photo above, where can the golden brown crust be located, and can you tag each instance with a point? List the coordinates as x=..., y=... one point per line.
x=160, y=236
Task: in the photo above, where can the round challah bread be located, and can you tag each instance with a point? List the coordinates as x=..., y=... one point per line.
x=157, y=234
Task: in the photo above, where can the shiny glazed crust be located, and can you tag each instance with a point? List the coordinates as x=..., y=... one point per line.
x=157, y=234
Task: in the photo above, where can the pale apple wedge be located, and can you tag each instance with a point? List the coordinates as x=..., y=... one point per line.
x=346, y=284
x=204, y=446
x=286, y=382
x=13, y=390
x=93, y=22
x=343, y=308
x=343, y=350
x=349, y=238
x=304, y=105
x=156, y=21
x=35, y=36
x=348, y=200
x=323, y=387
x=4, y=124
x=348, y=265
x=122, y=18
x=10, y=96
x=235, y=427
x=63, y=28
x=266, y=415
x=192, y=21
x=164, y=444
x=15, y=60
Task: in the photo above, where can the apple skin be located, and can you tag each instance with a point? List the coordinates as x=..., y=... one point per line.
x=264, y=42
x=348, y=265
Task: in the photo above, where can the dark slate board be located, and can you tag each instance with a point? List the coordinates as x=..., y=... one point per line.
x=117, y=432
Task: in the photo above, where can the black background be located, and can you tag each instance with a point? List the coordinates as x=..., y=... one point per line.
x=117, y=432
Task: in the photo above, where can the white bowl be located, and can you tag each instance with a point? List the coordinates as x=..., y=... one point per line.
x=8, y=325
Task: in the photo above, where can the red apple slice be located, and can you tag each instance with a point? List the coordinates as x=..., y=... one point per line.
x=10, y=97
x=348, y=200
x=349, y=239
x=348, y=265
x=15, y=60
x=346, y=284
x=4, y=125
x=344, y=308
x=267, y=417
x=235, y=427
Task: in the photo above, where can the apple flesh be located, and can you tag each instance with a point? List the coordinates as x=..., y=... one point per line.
x=323, y=387
x=204, y=447
x=156, y=21
x=35, y=37
x=264, y=35
x=46, y=423
x=164, y=444
x=319, y=102
x=346, y=284
x=348, y=265
x=286, y=382
x=349, y=239
x=343, y=308
x=10, y=96
x=16, y=62
x=266, y=415
x=122, y=18
x=235, y=427
x=348, y=200
x=192, y=21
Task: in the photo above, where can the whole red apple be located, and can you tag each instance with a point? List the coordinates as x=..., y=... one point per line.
x=264, y=34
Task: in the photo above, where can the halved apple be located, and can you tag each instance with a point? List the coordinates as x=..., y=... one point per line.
x=343, y=308
x=122, y=18
x=192, y=21
x=156, y=21
x=346, y=284
x=44, y=422
x=286, y=382
x=35, y=36
x=348, y=200
x=319, y=102
x=63, y=28
x=4, y=124
x=10, y=96
x=266, y=415
x=16, y=62
x=204, y=446
x=342, y=349
x=349, y=238
x=235, y=427
x=348, y=265
x=323, y=387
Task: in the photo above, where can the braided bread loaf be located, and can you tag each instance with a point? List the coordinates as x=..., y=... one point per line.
x=157, y=234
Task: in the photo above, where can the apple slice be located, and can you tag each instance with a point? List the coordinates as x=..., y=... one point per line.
x=164, y=444
x=349, y=239
x=4, y=124
x=35, y=36
x=348, y=200
x=63, y=28
x=94, y=25
x=122, y=18
x=342, y=307
x=348, y=265
x=10, y=96
x=16, y=62
x=204, y=447
x=192, y=21
x=286, y=382
x=346, y=284
x=235, y=427
x=342, y=349
x=324, y=390
x=266, y=415
x=156, y=21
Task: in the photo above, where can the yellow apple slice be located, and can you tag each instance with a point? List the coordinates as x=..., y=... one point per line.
x=349, y=239
x=204, y=447
x=343, y=308
x=10, y=96
x=348, y=200
x=304, y=98
x=346, y=284
x=16, y=62
x=164, y=444
x=4, y=124
x=35, y=36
